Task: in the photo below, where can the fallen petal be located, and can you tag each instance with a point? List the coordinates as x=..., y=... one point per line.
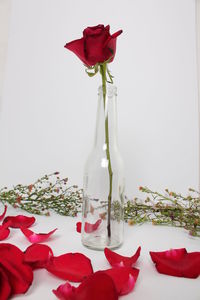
x=174, y=254
x=9, y=251
x=92, y=227
x=20, y=275
x=98, y=286
x=38, y=255
x=88, y=226
x=19, y=221
x=117, y=260
x=70, y=266
x=124, y=278
x=78, y=227
x=4, y=213
x=36, y=237
x=177, y=262
x=5, y=288
x=4, y=231
x=65, y=291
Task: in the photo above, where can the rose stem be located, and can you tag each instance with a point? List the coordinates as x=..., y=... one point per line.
x=103, y=68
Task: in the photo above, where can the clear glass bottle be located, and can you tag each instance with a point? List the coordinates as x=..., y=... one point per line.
x=103, y=183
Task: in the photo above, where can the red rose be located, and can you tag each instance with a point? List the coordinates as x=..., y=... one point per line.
x=96, y=45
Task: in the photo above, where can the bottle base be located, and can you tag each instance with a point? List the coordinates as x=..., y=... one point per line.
x=100, y=243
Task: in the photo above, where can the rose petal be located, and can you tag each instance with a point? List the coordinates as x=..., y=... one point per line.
x=5, y=289
x=70, y=266
x=19, y=221
x=36, y=237
x=124, y=278
x=38, y=255
x=174, y=254
x=117, y=260
x=88, y=226
x=98, y=286
x=19, y=274
x=177, y=262
x=4, y=231
x=10, y=252
x=77, y=47
x=65, y=291
x=78, y=227
x=92, y=227
x=4, y=213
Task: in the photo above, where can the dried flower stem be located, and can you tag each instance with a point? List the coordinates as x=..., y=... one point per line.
x=166, y=209
x=50, y=193
x=47, y=193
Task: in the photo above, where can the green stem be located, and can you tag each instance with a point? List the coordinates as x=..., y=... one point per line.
x=103, y=68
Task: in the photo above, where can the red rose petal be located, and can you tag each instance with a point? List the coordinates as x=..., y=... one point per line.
x=88, y=226
x=19, y=221
x=4, y=213
x=78, y=227
x=174, y=254
x=36, y=237
x=117, y=260
x=4, y=231
x=70, y=266
x=10, y=252
x=92, y=227
x=177, y=262
x=77, y=46
x=38, y=255
x=124, y=278
x=5, y=289
x=19, y=274
x=65, y=291
x=98, y=286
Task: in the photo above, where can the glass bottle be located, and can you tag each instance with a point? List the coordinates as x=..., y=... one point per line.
x=103, y=183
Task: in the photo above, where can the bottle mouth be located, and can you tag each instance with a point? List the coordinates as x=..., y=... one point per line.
x=111, y=90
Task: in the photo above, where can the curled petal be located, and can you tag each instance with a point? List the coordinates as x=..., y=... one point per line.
x=173, y=254
x=177, y=262
x=5, y=288
x=36, y=237
x=38, y=255
x=70, y=266
x=65, y=291
x=117, y=260
x=4, y=213
x=4, y=231
x=98, y=286
x=78, y=227
x=19, y=221
x=124, y=278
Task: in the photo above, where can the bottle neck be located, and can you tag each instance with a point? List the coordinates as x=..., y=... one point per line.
x=106, y=118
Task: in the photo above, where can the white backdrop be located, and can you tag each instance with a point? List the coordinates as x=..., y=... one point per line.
x=48, y=107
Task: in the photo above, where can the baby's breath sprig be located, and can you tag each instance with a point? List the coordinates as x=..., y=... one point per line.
x=49, y=192
x=169, y=208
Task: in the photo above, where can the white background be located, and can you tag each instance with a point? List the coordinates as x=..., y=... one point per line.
x=48, y=104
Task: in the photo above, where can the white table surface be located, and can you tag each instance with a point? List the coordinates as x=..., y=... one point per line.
x=150, y=284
